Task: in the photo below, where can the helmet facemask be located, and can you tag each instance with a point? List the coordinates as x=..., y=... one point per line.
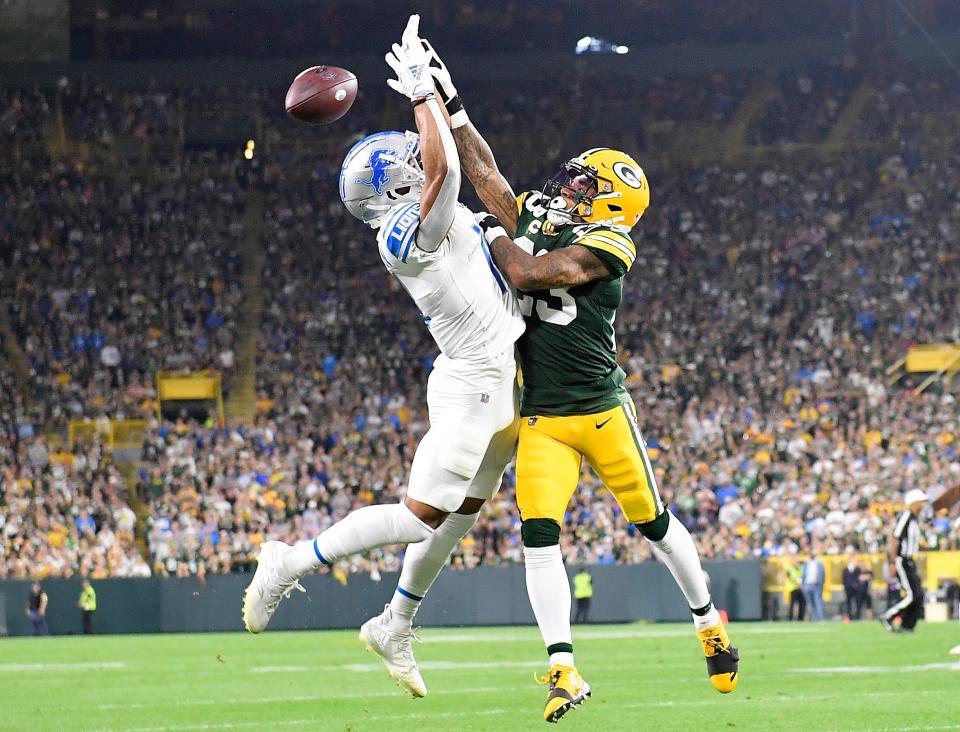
x=601, y=186
x=571, y=192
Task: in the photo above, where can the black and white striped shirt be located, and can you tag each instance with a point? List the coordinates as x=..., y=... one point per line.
x=907, y=532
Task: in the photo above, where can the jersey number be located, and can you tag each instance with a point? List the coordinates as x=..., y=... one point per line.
x=546, y=310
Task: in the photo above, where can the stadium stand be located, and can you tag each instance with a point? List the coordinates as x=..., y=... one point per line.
x=763, y=396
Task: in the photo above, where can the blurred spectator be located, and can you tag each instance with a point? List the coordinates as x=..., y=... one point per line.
x=88, y=606
x=37, y=609
x=853, y=599
x=582, y=593
x=812, y=582
x=794, y=577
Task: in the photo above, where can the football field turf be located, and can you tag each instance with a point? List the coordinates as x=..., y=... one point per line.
x=645, y=677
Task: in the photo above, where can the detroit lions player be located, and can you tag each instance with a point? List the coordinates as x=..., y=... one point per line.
x=432, y=245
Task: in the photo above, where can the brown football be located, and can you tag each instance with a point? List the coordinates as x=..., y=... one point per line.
x=321, y=94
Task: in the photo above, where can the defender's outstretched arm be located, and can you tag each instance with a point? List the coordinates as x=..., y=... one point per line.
x=482, y=171
x=566, y=267
x=476, y=157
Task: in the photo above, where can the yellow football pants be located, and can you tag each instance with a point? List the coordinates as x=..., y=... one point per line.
x=550, y=453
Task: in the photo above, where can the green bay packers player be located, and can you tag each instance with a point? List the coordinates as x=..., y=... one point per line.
x=567, y=249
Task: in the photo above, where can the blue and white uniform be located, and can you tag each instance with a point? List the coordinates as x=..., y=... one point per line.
x=474, y=318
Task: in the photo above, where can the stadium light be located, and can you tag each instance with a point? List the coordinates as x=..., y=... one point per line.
x=590, y=44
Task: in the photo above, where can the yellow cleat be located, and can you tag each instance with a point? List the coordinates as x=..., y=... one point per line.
x=567, y=691
x=722, y=658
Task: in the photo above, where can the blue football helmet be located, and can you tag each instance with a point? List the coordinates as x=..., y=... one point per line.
x=379, y=172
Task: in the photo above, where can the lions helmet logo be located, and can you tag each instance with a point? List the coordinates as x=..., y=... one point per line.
x=379, y=162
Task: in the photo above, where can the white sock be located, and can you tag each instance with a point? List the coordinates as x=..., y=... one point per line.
x=712, y=617
x=677, y=550
x=422, y=564
x=361, y=530
x=549, y=591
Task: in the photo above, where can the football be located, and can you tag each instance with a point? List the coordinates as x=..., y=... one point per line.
x=321, y=94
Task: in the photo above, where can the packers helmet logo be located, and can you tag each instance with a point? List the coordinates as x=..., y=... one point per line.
x=628, y=175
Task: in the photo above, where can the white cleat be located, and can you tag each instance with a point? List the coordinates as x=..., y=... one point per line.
x=396, y=651
x=955, y=651
x=268, y=587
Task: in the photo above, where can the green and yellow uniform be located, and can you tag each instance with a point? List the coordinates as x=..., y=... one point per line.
x=573, y=400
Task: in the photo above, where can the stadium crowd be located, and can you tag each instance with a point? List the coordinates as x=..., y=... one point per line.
x=804, y=105
x=772, y=296
x=115, y=280
x=64, y=514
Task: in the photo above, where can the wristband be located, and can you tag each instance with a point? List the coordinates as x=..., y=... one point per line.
x=458, y=115
x=494, y=233
x=492, y=228
x=420, y=100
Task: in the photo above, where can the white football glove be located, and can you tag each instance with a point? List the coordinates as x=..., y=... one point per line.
x=448, y=92
x=410, y=63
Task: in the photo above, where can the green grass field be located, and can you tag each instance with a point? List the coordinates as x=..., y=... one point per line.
x=645, y=677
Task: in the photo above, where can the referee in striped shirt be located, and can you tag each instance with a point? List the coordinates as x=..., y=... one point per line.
x=904, y=547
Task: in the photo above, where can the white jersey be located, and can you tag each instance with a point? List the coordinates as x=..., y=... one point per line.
x=467, y=305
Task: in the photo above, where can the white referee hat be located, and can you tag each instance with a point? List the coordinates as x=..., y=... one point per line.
x=915, y=495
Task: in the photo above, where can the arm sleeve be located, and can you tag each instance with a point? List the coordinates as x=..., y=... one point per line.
x=435, y=226
x=614, y=248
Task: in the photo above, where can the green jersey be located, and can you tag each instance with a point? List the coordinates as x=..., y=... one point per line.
x=568, y=354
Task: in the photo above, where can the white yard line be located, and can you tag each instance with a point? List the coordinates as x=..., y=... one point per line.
x=218, y=725
x=482, y=690
x=917, y=729
x=79, y=666
x=366, y=668
x=437, y=715
x=780, y=699
x=955, y=666
x=447, y=665
x=511, y=636
x=281, y=699
x=303, y=722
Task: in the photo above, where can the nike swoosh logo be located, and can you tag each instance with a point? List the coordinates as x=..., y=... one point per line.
x=598, y=426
